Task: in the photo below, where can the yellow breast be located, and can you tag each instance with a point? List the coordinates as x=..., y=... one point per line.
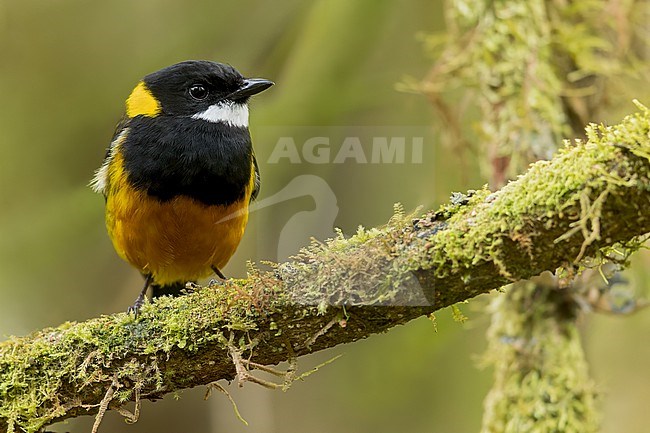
x=176, y=240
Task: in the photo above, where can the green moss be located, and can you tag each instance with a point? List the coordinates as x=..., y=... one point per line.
x=541, y=375
x=474, y=229
x=359, y=270
x=534, y=69
x=80, y=354
x=549, y=188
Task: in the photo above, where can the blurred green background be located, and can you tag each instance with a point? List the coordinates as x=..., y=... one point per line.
x=66, y=66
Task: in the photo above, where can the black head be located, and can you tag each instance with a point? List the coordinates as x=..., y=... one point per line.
x=192, y=87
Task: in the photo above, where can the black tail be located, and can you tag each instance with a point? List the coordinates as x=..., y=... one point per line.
x=173, y=289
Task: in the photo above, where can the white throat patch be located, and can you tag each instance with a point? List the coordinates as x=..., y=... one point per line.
x=225, y=112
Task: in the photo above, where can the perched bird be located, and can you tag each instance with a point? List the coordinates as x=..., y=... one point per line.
x=180, y=173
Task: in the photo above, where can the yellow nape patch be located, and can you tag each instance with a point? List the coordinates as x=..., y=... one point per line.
x=142, y=102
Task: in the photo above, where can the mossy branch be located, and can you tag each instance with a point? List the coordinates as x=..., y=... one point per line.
x=591, y=196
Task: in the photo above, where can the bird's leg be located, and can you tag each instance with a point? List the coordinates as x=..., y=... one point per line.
x=218, y=273
x=135, y=308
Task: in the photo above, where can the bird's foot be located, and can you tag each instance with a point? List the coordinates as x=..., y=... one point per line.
x=137, y=305
x=215, y=282
x=139, y=301
x=191, y=287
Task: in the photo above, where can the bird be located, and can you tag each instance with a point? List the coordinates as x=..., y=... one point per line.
x=180, y=173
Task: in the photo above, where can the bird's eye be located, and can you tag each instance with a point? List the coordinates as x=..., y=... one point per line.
x=199, y=92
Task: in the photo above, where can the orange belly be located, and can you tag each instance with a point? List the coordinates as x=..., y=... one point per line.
x=177, y=240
